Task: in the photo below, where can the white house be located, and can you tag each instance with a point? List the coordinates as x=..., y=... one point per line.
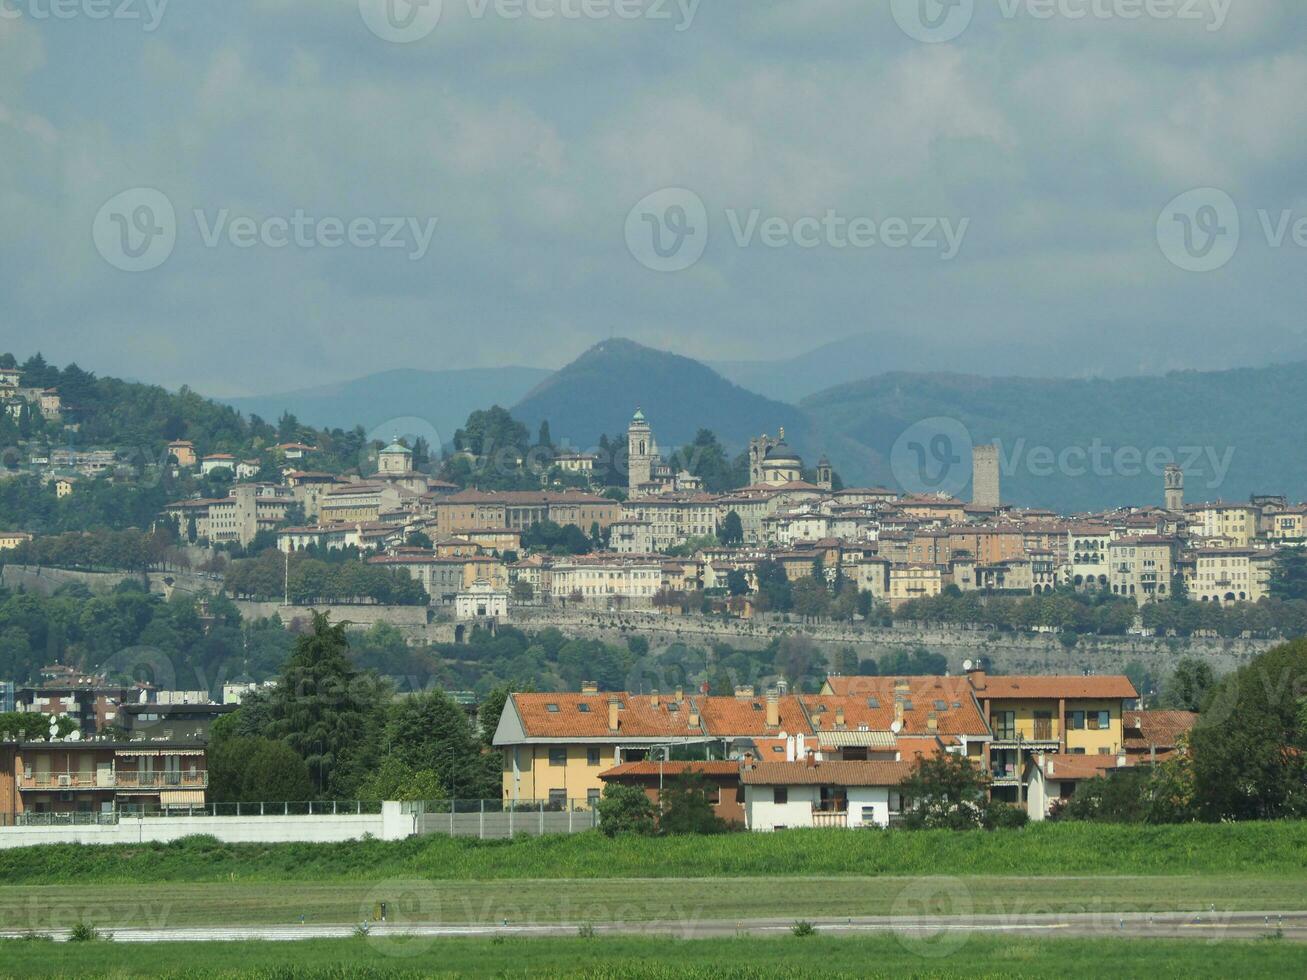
x=815, y=793
x=218, y=461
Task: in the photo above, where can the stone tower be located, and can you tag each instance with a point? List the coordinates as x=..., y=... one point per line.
x=641, y=453
x=825, y=474
x=758, y=449
x=1174, y=493
x=984, y=476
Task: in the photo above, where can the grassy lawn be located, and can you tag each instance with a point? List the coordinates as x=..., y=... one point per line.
x=785, y=956
x=673, y=904
x=1268, y=850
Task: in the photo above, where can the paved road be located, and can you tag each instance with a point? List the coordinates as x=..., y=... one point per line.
x=928, y=931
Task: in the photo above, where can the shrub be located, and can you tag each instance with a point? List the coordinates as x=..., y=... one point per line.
x=625, y=810
x=803, y=928
x=1005, y=816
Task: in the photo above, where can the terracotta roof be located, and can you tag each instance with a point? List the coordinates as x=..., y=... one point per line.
x=869, y=703
x=835, y=773
x=586, y=716
x=731, y=716
x=709, y=768
x=1156, y=729
x=1008, y=687
x=1072, y=767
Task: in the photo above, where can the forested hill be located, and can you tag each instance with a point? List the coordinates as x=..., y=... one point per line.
x=1235, y=432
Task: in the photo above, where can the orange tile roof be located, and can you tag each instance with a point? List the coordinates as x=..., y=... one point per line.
x=1009, y=687
x=586, y=716
x=950, y=698
x=834, y=773
x=715, y=767
x=1157, y=728
x=1073, y=767
x=731, y=716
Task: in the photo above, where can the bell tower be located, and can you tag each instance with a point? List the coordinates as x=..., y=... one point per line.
x=1174, y=488
x=640, y=452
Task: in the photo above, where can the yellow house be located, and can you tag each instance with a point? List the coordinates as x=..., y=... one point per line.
x=556, y=745
x=1075, y=715
x=915, y=581
x=12, y=539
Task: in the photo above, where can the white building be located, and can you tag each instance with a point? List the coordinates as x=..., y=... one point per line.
x=481, y=601
x=816, y=793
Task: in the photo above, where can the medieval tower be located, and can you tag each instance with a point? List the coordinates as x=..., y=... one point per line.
x=984, y=476
x=641, y=453
x=1174, y=489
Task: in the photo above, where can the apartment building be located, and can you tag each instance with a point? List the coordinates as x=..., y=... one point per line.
x=1142, y=567
x=908, y=581
x=1070, y=715
x=238, y=517
x=607, y=582
x=519, y=510
x=1230, y=574
x=1232, y=524
x=673, y=518
x=1087, y=546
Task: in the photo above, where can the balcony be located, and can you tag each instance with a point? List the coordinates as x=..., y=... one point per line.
x=126, y=780
x=830, y=818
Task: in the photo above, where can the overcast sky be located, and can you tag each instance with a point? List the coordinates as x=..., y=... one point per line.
x=1031, y=159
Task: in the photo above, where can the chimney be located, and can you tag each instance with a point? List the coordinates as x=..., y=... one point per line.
x=839, y=716
x=901, y=686
x=653, y=698
x=898, y=709
x=680, y=694
x=816, y=716
x=773, y=710
x=748, y=760
x=743, y=691
x=613, y=722
x=811, y=759
x=589, y=687
x=694, y=717
x=932, y=723
x=977, y=678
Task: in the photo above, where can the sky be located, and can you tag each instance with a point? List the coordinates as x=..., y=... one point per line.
x=258, y=195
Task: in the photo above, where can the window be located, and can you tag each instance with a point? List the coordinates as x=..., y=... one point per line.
x=583, y=708
x=558, y=756
x=780, y=795
x=551, y=708
x=592, y=755
x=557, y=799
x=1075, y=720
x=1104, y=750
x=941, y=705
x=1100, y=720
x=591, y=798
x=1004, y=724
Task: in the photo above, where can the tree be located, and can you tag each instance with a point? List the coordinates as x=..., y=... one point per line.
x=774, y=592
x=327, y=711
x=490, y=431
x=544, y=439
x=523, y=591
x=731, y=530
x=1289, y=574
x=737, y=583
x=431, y=732
x=256, y=770
x=945, y=791
x=394, y=780
x=810, y=598
x=625, y=810
x=1250, y=743
x=1189, y=684
x=687, y=806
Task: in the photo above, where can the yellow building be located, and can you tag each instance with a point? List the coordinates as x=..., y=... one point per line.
x=1230, y=575
x=12, y=539
x=915, y=581
x=1234, y=523
x=1075, y=715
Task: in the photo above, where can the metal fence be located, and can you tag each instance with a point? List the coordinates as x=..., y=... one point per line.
x=311, y=808
x=496, y=819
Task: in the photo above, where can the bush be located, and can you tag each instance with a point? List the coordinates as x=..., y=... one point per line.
x=803, y=928
x=84, y=933
x=625, y=810
x=687, y=807
x=1005, y=816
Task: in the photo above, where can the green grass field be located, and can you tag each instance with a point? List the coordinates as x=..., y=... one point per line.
x=656, y=957
x=1265, y=850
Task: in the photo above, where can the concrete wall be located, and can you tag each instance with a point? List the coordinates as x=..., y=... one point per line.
x=44, y=581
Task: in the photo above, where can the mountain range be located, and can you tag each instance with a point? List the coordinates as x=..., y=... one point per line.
x=1067, y=443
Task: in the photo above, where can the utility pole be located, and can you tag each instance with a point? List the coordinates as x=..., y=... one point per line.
x=285, y=582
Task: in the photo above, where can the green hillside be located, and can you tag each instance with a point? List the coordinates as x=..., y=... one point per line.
x=598, y=392
x=1250, y=418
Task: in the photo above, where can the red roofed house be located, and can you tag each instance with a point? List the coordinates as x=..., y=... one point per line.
x=1051, y=779
x=721, y=776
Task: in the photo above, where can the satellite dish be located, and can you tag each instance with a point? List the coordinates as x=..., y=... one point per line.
x=74, y=736
x=967, y=664
x=54, y=726
x=896, y=726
